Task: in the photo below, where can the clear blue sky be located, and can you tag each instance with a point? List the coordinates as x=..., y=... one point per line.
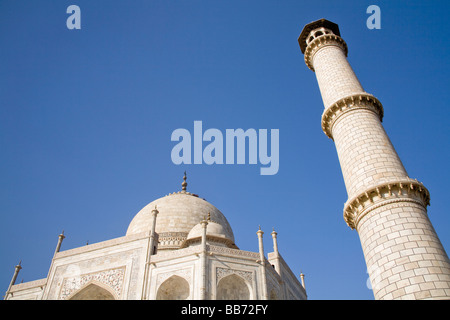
x=86, y=118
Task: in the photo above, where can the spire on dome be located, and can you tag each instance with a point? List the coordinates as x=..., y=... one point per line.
x=184, y=183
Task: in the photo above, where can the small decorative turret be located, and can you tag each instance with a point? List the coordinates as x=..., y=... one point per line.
x=60, y=240
x=262, y=261
x=13, y=280
x=260, y=244
x=275, y=243
x=302, y=277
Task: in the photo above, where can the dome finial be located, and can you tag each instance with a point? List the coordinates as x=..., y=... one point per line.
x=184, y=184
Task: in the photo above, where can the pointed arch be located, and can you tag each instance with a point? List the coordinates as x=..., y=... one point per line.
x=94, y=290
x=174, y=288
x=233, y=287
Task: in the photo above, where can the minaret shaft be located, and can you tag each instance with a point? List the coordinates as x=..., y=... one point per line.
x=404, y=257
x=365, y=151
x=366, y=154
x=331, y=67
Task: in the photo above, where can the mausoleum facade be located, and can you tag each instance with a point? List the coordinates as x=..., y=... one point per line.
x=177, y=247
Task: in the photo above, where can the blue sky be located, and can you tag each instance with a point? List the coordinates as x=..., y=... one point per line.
x=86, y=118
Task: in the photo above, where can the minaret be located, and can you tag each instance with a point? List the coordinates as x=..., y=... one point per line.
x=405, y=258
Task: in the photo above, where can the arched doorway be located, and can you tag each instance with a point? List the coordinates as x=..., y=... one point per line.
x=174, y=288
x=93, y=291
x=232, y=287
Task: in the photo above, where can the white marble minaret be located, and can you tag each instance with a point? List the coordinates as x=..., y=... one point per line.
x=404, y=256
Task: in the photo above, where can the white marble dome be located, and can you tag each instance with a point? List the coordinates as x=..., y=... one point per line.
x=178, y=214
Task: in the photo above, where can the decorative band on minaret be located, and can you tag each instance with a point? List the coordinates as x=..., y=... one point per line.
x=404, y=256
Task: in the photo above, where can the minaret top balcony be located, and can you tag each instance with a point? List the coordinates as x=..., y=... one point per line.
x=319, y=34
x=316, y=29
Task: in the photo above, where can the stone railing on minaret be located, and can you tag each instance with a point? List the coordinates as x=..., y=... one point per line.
x=404, y=256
